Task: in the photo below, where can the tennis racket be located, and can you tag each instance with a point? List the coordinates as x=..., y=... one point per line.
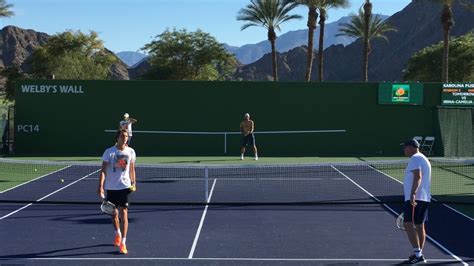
x=400, y=221
x=107, y=207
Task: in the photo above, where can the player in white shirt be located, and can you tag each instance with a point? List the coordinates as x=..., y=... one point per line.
x=417, y=192
x=126, y=123
x=117, y=178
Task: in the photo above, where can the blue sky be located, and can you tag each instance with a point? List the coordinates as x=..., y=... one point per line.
x=127, y=25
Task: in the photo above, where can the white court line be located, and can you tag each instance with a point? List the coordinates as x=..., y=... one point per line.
x=233, y=259
x=394, y=212
x=54, y=192
x=445, y=205
x=19, y=185
x=196, y=238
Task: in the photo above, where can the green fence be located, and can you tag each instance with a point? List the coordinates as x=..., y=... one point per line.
x=55, y=117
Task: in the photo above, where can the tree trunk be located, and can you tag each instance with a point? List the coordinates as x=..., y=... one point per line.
x=447, y=21
x=445, y=77
x=365, y=56
x=322, y=22
x=272, y=38
x=312, y=17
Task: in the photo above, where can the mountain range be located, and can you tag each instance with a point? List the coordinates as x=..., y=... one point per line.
x=131, y=58
x=418, y=26
x=249, y=53
x=17, y=45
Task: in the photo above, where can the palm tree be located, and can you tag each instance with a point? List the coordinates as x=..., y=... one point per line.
x=269, y=14
x=324, y=6
x=312, y=19
x=366, y=51
x=5, y=9
x=358, y=28
x=447, y=20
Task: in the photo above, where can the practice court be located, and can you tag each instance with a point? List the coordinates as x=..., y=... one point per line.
x=291, y=215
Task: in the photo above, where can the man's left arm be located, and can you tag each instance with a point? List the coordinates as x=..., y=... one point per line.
x=416, y=184
x=133, y=178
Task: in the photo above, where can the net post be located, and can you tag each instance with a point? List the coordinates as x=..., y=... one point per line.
x=206, y=184
x=225, y=143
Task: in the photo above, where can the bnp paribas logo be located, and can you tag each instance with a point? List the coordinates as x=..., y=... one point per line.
x=400, y=93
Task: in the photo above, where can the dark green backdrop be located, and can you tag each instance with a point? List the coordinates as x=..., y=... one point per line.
x=74, y=123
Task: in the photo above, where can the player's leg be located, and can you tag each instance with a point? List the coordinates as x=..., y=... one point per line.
x=421, y=232
x=112, y=196
x=414, y=226
x=124, y=218
x=421, y=216
x=242, y=147
x=254, y=147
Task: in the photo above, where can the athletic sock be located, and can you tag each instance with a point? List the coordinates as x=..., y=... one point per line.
x=417, y=252
x=124, y=240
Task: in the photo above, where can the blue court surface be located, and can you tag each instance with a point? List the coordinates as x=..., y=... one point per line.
x=267, y=234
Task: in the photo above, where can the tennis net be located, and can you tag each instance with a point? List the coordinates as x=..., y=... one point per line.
x=323, y=183
x=224, y=137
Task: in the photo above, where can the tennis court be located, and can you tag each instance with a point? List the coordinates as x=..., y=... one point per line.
x=232, y=214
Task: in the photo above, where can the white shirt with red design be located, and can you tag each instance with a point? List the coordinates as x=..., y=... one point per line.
x=117, y=175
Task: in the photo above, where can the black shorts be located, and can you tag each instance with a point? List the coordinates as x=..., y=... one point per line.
x=421, y=212
x=119, y=197
x=248, y=140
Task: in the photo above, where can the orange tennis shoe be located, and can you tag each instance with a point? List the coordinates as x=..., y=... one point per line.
x=117, y=240
x=123, y=249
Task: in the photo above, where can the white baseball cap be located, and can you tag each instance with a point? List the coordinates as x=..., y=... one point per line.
x=126, y=115
x=247, y=114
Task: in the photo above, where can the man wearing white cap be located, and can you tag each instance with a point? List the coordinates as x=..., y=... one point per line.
x=246, y=127
x=126, y=123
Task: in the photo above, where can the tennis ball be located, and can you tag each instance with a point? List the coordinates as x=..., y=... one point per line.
x=62, y=180
x=36, y=170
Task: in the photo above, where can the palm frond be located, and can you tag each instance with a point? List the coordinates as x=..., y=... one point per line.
x=5, y=9
x=355, y=28
x=267, y=13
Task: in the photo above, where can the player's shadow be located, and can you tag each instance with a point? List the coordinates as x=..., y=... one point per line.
x=87, y=219
x=93, y=220
x=152, y=181
x=52, y=253
x=105, y=220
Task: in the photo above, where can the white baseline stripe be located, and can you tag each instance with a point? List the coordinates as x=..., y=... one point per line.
x=54, y=192
x=231, y=259
x=201, y=223
x=394, y=212
x=445, y=205
x=19, y=185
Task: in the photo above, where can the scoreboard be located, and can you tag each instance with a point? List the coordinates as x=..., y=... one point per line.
x=457, y=94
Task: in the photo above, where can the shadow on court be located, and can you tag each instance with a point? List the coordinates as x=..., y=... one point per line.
x=54, y=253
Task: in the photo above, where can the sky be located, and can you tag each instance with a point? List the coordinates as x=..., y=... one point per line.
x=127, y=25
